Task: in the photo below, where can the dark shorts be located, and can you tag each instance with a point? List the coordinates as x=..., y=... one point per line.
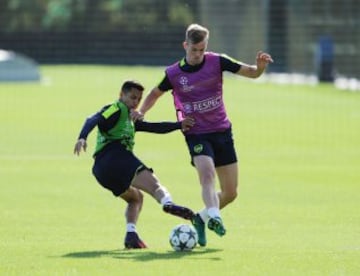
x=218, y=145
x=115, y=167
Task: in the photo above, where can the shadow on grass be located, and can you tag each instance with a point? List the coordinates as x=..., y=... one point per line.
x=144, y=255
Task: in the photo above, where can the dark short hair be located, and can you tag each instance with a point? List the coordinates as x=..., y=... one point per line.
x=130, y=84
x=196, y=33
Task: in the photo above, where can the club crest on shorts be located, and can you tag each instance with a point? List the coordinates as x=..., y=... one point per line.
x=198, y=148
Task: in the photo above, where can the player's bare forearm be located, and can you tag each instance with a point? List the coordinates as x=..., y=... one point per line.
x=256, y=70
x=150, y=100
x=251, y=71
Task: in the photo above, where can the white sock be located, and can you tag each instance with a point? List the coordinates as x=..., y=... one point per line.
x=166, y=199
x=213, y=212
x=204, y=215
x=130, y=227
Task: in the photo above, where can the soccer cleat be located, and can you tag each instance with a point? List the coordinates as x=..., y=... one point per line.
x=217, y=226
x=178, y=210
x=132, y=241
x=199, y=225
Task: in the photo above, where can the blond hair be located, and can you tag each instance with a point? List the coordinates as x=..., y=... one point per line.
x=196, y=33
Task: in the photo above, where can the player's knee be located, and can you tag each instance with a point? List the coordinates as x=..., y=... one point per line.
x=146, y=181
x=228, y=197
x=140, y=197
x=232, y=196
x=133, y=197
x=207, y=176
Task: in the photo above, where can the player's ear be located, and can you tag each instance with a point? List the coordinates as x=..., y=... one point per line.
x=185, y=45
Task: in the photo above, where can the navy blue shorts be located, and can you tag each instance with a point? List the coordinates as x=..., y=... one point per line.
x=218, y=145
x=115, y=167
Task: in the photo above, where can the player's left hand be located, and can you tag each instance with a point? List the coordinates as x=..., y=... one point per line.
x=187, y=123
x=263, y=59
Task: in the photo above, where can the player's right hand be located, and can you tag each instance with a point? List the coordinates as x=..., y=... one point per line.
x=80, y=144
x=136, y=115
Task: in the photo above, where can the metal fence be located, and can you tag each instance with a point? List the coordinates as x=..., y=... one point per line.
x=295, y=32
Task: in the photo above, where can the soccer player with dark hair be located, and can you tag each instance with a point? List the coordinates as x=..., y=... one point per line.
x=116, y=167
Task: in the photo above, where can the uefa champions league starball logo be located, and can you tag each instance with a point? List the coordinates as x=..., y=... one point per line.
x=183, y=81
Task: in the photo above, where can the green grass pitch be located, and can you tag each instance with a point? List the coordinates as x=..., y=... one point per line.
x=297, y=212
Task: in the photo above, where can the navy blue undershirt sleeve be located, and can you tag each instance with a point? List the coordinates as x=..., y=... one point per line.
x=90, y=123
x=229, y=64
x=165, y=84
x=98, y=120
x=160, y=127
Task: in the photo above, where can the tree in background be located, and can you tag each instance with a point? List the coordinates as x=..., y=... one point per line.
x=94, y=15
x=21, y=15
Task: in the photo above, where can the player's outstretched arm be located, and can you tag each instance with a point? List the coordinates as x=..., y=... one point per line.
x=256, y=70
x=164, y=127
x=150, y=100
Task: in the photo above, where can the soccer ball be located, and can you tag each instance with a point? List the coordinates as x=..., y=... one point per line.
x=183, y=237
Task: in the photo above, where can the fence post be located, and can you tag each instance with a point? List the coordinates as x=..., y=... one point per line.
x=325, y=59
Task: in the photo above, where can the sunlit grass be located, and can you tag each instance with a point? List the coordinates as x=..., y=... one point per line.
x=298, y=207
